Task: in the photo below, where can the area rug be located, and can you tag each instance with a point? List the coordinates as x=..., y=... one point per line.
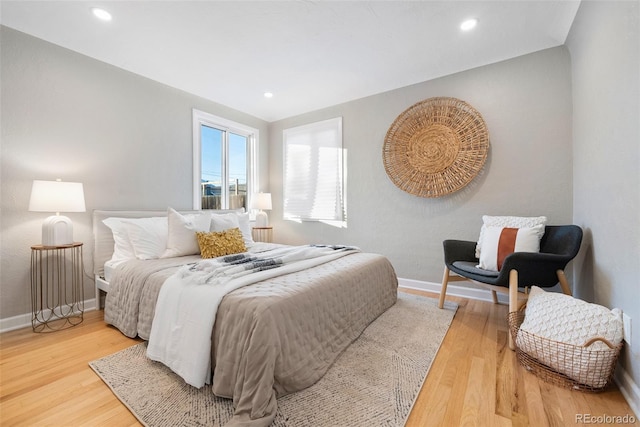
x=375, y=381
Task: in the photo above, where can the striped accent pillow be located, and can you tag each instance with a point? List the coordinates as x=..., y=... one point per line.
x=500, y=242
x=507, y=221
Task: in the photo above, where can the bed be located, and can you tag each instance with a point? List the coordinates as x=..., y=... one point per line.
x=270, y=338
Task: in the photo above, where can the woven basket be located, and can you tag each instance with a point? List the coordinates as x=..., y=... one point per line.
x=435, y=147
x=575, y=367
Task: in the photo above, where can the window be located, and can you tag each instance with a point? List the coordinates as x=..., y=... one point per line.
x=313, y=172
x=224, y=162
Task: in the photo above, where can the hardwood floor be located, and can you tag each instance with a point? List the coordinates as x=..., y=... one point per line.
x=45, y=379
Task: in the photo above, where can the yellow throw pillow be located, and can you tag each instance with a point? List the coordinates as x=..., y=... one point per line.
x=218, y=243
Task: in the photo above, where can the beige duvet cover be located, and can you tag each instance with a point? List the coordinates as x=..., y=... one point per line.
x=274, y=337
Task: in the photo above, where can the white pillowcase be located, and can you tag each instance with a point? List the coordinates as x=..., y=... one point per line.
x=562, y=318
x=222, y=222
x=499, y=242
x=170, y=236
x=507, y=221
x=245, y=228
x=122, y=249
x=148, y=236
x=142, y=238
x=181, y=239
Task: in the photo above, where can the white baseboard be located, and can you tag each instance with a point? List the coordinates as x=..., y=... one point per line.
x=452, y=290
x=629, y=390
x=24, y=320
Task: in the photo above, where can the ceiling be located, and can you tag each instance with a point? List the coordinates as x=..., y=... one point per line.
x=310, y=54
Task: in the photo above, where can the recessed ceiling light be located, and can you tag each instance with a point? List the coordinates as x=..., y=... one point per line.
x=268, y=95
x=469, y=24
x=101, y=14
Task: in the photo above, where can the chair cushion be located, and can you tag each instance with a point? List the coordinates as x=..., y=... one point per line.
x=507, y=221
x=500, y=242
x=470, y=267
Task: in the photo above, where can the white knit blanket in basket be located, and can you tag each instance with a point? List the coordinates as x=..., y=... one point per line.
x=555, y=319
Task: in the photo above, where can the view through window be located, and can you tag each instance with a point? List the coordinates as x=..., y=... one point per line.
x=223, y=157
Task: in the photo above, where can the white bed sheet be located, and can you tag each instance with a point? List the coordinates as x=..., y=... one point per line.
x=109, y=267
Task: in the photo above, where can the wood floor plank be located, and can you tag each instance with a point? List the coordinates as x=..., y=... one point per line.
x=471, y=410
x=533, y=400
x=45, y=379
x=568, y=406
x=503, y=375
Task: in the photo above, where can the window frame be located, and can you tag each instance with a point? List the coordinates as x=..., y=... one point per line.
x=200, y=118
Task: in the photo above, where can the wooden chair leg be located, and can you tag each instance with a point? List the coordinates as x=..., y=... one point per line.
x=564, y=283
x=494, y=296
x=443, y=290
x=513, y=299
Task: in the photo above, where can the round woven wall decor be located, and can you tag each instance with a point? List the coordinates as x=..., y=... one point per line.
x=435, y=147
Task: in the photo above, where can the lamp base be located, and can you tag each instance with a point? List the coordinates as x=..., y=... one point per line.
x=57, y=230
x=262, y=220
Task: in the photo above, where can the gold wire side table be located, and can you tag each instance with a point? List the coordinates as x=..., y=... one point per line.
x=57, y=289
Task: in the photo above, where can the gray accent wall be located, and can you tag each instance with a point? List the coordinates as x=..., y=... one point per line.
x=125, y=137
x=526, y=104
x=604, y=43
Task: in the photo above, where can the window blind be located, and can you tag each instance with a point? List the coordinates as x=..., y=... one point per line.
x=313, y=171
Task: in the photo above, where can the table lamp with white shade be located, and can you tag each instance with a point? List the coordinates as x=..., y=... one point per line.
x=57, y=196
x=261, y=201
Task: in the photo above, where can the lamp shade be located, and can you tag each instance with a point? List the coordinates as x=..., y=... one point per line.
x=261, y=201
x=57, y=196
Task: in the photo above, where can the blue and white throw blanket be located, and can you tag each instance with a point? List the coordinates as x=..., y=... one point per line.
x=188, y=301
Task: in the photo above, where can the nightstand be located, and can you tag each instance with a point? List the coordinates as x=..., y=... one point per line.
x=57, y=289
x=262, y=234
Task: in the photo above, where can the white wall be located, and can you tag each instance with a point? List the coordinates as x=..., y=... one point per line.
x=604, y=44
x=65, y=115
x=526, y=103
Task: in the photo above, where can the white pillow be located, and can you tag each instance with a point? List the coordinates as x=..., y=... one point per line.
x=222, y=222
x=507, y=221
x=122, y=248
x=499, y=242
x=148, y=236
x=181, y=239
x=562, y=318
x=245, y=228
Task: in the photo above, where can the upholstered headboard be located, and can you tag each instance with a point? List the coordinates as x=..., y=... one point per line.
x=103, y=238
